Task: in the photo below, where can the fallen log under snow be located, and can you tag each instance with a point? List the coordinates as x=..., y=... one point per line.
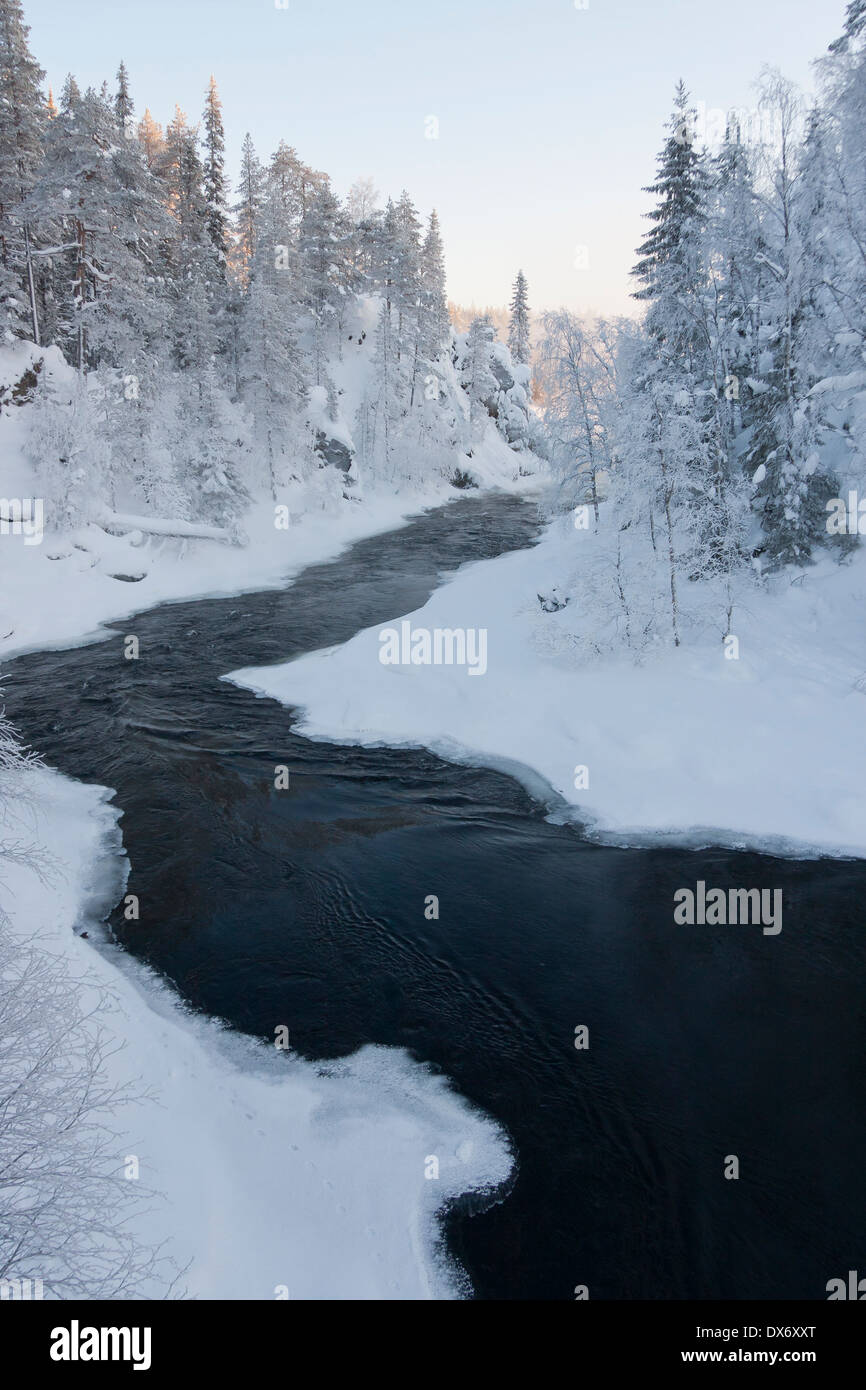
x=161, y=526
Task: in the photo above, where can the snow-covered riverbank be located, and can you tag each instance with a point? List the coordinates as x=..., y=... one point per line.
x=279, y=1178
x=764, y=749
x=57, y=594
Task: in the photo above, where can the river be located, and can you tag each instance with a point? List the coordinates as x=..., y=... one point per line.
x=306, y=907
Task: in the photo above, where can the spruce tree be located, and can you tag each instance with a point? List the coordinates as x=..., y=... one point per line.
x=323, y=238
x=669, y=268
x=214, y=180
x=23, y=117
x=247, y=210
x=124, y=106
x=436, y=322
x=519, y=327
x=855, y=24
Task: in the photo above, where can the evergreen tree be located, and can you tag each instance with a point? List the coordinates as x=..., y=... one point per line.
x=436, y=322
x=855, y=25
x=103, y=207
x=291, y=185
x=678, y=371
x=519, y=326
x=323, y=238
x=214, y=181
x=22, y=123
x=407, y=274
x=247, y=210
x=123, y=103
x=670, y=268
x=784, y=449
x=71, y=94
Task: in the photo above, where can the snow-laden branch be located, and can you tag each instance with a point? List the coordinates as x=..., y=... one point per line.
x=56, y=250
x=854, y=381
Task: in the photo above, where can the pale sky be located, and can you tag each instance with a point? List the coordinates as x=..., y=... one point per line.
x=549, y=114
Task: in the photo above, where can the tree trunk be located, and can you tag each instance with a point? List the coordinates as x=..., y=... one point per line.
x=31, y=286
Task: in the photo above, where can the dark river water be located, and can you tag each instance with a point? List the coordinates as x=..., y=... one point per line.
x=306, y=906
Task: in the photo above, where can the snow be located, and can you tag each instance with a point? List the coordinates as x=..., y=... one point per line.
x=765, y=750
x=57, y=593
x=159, y=526
x=274, y=1172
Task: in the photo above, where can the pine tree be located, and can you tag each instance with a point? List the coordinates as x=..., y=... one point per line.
x=669, y=269
x=214, y=180
x=519, y=326
x=855, y=24
x=123, y=103
x=247, y=210
x=407, y=273
x=677, y=370
x=436, y=323
x=71, y=94
x=291, y=185
x=323, y=239
x=102, y=206
x=181, y=172
x=387, y=252
x=22, y=122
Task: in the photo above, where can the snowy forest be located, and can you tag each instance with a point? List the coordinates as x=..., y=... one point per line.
x=185, y=339
x=724, y=429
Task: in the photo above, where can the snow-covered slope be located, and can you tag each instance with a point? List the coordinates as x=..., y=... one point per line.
x=57, y=589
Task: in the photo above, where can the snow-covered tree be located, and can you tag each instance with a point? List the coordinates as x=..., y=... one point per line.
x=124, y=107
x=213, y=176
x=272, y=370
x=436, y=324
x=65, y=1206
x=23, y=117
x=152, y=139
x=362, y=200
x=380, y=412
x=476, y=375
x=519, y=329
x=323, y=237
x=247, y=209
